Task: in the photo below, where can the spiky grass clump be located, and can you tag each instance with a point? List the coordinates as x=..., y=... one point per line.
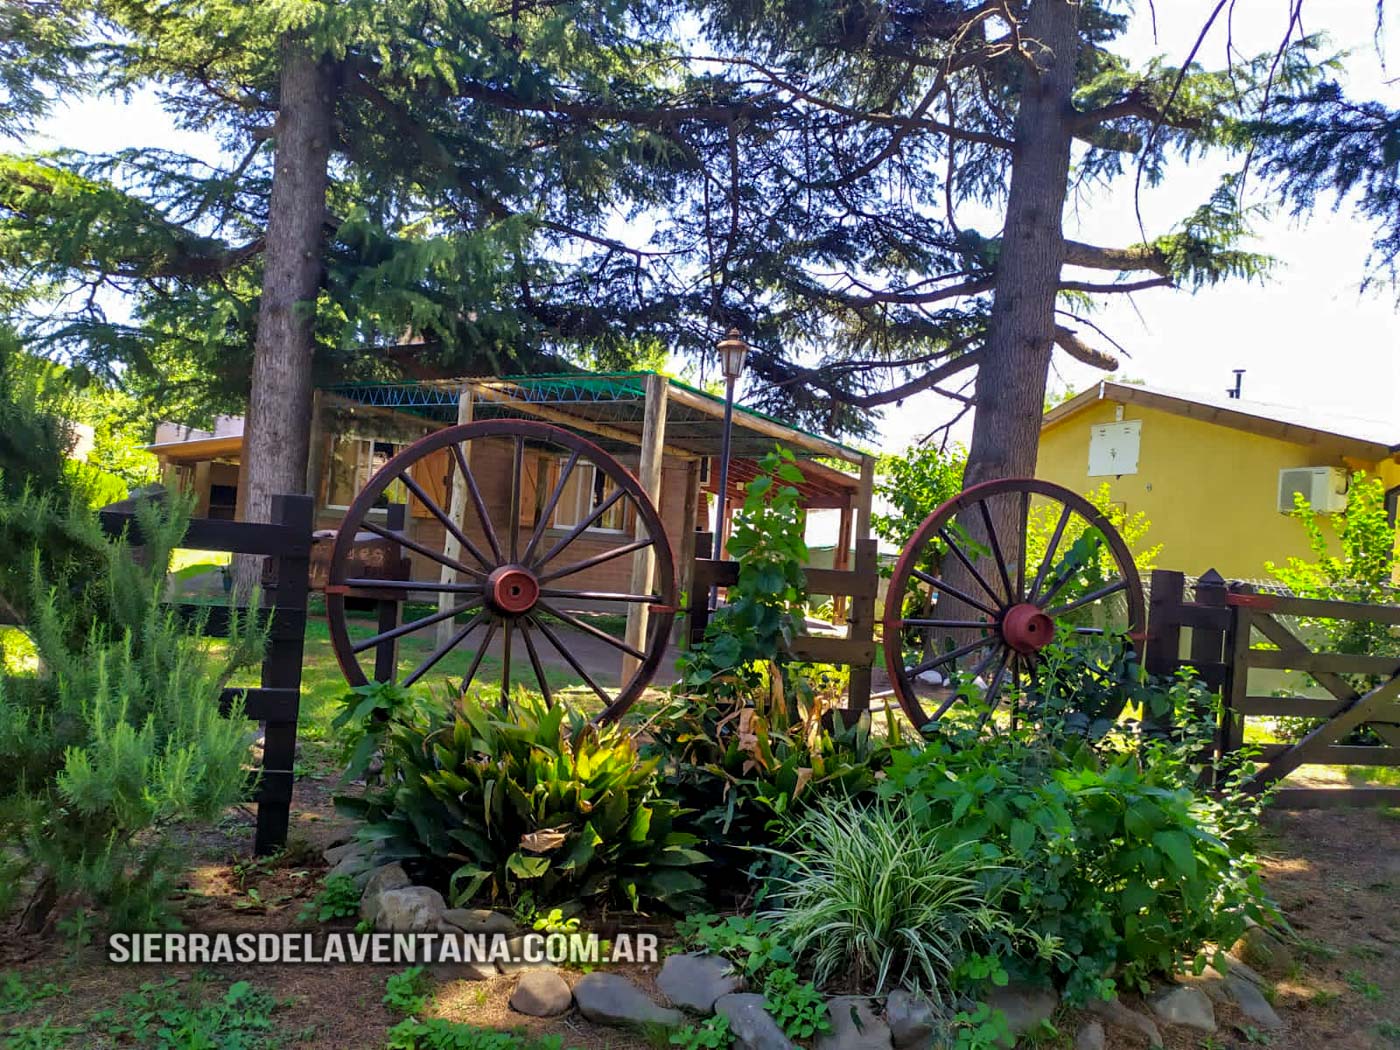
x=873, y=893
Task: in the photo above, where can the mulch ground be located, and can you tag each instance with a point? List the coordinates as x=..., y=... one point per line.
x=1336, y=874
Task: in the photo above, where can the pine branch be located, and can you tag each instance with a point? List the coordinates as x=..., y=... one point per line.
x=1070, y=343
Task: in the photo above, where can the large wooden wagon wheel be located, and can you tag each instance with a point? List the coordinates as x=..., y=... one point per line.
x=518, y=586
x=1034, y=561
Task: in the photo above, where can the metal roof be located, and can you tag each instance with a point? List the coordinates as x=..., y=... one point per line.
x=611, y=407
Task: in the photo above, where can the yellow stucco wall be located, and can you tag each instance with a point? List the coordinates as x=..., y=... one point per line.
x=1209, y=491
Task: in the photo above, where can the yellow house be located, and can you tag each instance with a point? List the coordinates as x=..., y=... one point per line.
x=1214, y=477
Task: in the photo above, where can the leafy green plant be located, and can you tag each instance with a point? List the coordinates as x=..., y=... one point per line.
x=742, y=651
x=338, y=898
x=876, y=894
x=795, y=1004
x=439, y=1034
x=18, y=995
x=1359, y=983
x=42, y=1036
x=535, y=798
x=1111, y=857
x=118, y=737
x=1388, y=1030
x=981, y=1028
x=738, y=768
x=405, y=993
x=170, y=1016
x=912, y=485
x=710, y=1034
x=748, y=941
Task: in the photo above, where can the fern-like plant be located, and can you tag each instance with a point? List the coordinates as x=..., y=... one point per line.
x=873, y=893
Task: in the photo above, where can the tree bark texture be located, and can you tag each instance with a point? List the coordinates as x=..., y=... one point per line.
x=277, y=431
x=1021, y=331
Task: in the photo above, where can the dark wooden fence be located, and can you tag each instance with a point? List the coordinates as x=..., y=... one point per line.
x=861, y=584
x=1223, y=621
x=286, y=543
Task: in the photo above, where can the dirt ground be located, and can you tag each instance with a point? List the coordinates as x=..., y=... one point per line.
x=1335, y=873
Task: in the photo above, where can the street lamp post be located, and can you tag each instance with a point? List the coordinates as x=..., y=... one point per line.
x=732, y=351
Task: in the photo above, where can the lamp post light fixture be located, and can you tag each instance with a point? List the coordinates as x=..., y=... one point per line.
x=732, y=351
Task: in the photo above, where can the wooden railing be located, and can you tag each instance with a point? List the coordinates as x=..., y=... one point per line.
x=286, y=542
x=1223, y=621
x=860, y=584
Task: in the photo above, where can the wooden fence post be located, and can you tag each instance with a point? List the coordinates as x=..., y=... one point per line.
x=386, y=653
x=282, y=670
x=861, y=625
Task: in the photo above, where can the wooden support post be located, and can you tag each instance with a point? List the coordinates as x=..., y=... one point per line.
x=456, y=509
x=862, y=624
x=686, y=565
x=865, y=499
x=649, y=474
x=282, y=670
x=386, y=653
x=842, y=560
x=1236, y=686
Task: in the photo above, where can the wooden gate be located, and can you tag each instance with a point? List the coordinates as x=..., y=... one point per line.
x=1228, y=623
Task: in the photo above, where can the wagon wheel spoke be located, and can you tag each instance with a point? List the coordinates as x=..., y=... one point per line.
x=588, y=628
x=953, y=592
x=548, y=512
x=1086, y=599
x=563, y=651
x=472, y=668
x=517, y=471
x=369, y=583
x=948, y=702
x=1049, y=558
x=535, y=662
x=579, y=529
x=447, y=523
x=984, y=625
x=1025, y=537
x=427, y=552
x=997, y=555
x=507, y=631
x=600, y=596
x=413, y=625
x=992, y=697
x=967, y=563
x=443, y=649
x=951, y=654
x=460, y=458
x=597, y=559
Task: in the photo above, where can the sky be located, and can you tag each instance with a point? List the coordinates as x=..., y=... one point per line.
x=1306, y=336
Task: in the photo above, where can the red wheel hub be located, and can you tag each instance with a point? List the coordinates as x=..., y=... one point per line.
x=512, y=590
x=1026, y=629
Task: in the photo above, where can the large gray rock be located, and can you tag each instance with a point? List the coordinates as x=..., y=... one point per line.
x=1024, y=1005
x=750, y=1023
x=412, y=909
x=447, y=972
x=1091, y=1036
x=854, y=1026
x=1251, y=1002
x=1265, y=952
x=912, y=1020
x=1187, y=1007
x=694, y=982
x=354, y=860
x=1121, y=1015
x=381, y=879
x=541, y=993
x=334, y=854
x=517, y=962
x=1209, y=981
x=479, y=920
x=608, y=998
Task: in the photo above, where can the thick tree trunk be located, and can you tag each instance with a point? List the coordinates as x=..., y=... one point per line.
x=1016, y=359
x=277, y=430
x=1015, y=364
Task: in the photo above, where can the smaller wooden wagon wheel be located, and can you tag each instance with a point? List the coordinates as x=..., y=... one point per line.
x=1012, y=598
x=512, y=584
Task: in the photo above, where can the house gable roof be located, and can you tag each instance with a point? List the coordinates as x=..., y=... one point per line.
x=1366, y=438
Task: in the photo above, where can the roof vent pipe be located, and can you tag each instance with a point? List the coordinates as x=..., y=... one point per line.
x=1234, y=391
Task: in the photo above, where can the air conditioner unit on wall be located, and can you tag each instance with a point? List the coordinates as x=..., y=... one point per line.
x=1325, y=488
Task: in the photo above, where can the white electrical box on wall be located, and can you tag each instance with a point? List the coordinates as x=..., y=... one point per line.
x=1113, y=448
